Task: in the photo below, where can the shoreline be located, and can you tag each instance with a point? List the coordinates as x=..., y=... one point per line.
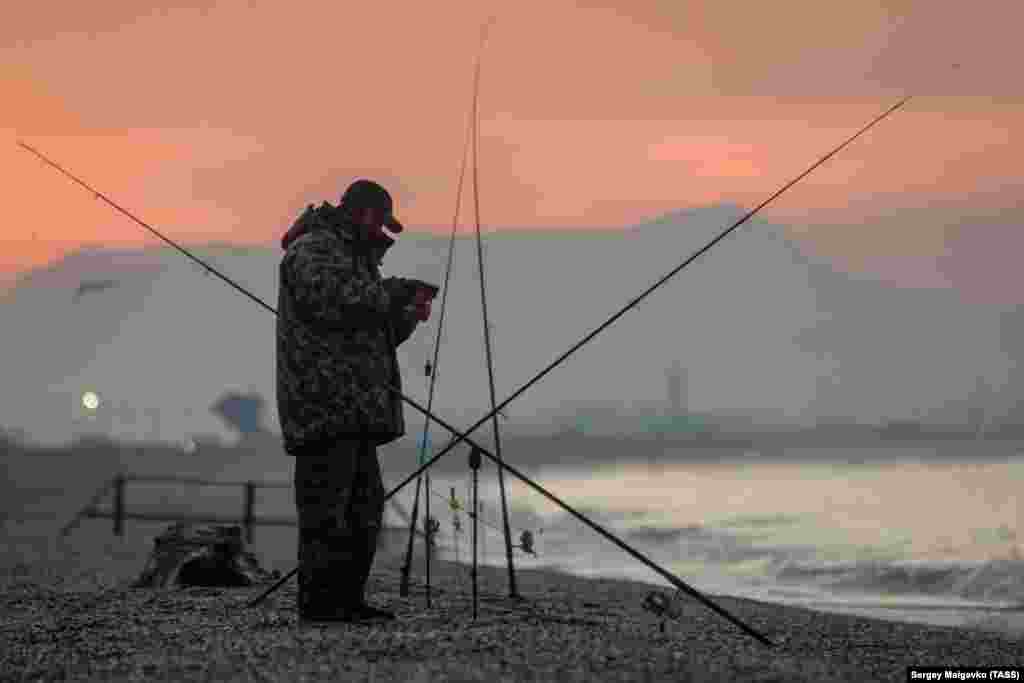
x=83, y=625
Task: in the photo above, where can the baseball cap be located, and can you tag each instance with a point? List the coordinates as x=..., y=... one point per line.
x=368, y=194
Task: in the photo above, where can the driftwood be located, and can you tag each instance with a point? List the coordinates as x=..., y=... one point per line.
x=187, y=555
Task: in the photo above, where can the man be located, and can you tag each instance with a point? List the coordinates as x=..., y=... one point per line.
x=338, y=327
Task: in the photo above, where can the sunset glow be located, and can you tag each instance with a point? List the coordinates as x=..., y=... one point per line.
x=595, y=118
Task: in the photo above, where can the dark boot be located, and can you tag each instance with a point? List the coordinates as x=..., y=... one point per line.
x=369, y=613
x=349, y=593
x=367, y=550
x=363, y=614
x=314, y=578
x=344, y=600
x=333, y=591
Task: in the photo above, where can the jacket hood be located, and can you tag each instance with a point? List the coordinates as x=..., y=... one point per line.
x=318, y=218
x=338, y=220
x=328, y=216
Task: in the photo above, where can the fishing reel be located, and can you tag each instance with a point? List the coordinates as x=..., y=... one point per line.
x=526, y=543
x=657, y=603
x=662, y=606
x=432, y=528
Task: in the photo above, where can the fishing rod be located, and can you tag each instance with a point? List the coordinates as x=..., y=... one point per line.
x=606, y=324
x=636, y=554
x=430, y=369
x=512, y=591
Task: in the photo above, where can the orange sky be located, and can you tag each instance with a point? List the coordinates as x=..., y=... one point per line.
x=221, y=120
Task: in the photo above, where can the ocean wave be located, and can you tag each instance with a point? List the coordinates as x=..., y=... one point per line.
x=996, y=580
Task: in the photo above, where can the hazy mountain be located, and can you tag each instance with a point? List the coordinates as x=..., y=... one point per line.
x=757, y=326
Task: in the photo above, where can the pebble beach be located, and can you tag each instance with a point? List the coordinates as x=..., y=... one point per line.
x=64, y=618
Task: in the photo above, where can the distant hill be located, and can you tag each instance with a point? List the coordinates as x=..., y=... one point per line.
x=760, y=328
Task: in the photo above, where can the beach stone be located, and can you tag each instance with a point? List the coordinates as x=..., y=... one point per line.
x=201, y=555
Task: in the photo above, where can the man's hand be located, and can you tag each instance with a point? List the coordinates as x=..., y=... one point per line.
x=412, y=298
x=421, y=309
x=421, y=302
x=423, y=289
x=422, y=298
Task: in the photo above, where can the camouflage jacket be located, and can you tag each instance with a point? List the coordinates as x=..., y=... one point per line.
x=338, y=326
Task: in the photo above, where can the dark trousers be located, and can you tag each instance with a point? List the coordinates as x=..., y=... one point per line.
x=340, y=500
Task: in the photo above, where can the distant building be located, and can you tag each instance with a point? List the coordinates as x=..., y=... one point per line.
x=675, y=425
x=675, y=381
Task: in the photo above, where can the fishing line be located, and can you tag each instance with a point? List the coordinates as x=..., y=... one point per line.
x=483, y=520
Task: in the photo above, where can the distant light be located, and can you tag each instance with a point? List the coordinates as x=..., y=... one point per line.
x=190, y=446
x=90, y=400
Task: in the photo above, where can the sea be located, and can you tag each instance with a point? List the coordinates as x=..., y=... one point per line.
x=902, y=534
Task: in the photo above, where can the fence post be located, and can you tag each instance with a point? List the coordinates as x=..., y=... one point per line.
x=119, y=505
x=249, y=504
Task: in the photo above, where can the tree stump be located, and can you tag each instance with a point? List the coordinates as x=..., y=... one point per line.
x=214, y=555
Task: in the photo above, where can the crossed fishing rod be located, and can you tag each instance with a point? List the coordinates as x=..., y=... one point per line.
x=463, y=436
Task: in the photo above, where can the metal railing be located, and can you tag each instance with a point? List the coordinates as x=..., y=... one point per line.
x=120, y=514
x=248, y=519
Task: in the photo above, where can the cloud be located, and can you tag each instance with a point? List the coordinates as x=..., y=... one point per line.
x=592, y=114
x=869, y=48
